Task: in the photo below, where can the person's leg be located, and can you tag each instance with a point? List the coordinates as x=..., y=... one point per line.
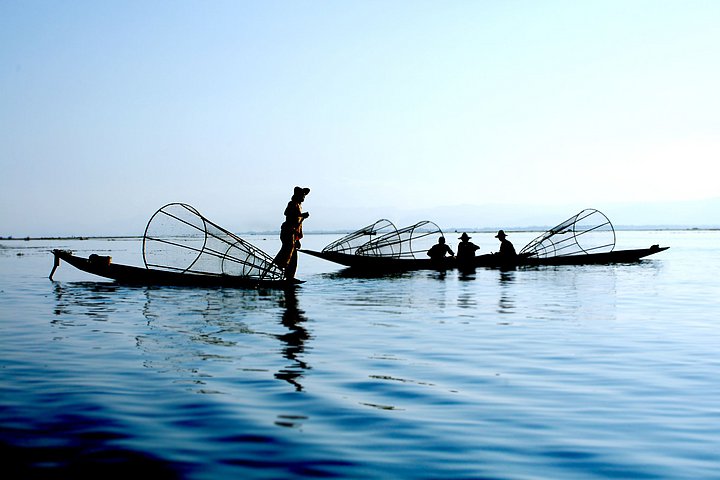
x=292, y=265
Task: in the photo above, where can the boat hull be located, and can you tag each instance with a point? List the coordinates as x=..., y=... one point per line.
x=376, y=264
x=125, y=274
x=618, y=256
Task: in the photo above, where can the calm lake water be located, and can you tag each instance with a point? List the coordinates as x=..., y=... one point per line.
x=563, y=372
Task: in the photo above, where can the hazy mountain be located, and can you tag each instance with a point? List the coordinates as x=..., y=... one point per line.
x=687, y=214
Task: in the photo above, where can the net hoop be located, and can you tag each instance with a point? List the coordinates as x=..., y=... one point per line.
x=587, y=232
x=164, y=211
x=351, y=242
x=409, y=242
x=179, y=239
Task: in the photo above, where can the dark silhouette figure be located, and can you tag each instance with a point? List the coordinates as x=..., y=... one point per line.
x=507, y=251
x=466, y=250
x=291, y=233
x=439, y=250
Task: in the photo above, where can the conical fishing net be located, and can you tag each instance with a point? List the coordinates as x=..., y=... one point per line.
x=179, y=239
x=409, y=242
x=350, y=243
x=588, y=232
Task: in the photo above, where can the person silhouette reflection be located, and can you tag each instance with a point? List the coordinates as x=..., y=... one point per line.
x=506, y=303
x=292, y=319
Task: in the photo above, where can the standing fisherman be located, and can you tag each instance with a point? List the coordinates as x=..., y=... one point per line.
x=291, y=233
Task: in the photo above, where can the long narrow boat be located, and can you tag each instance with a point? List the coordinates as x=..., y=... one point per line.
x=616, y=256
x=182, y=247
x=129, y=275
x=383, y=247
x=377, y=264
x=585, y=238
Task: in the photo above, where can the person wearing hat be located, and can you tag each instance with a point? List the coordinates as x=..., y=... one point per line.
x=291, y=233
x=507, y=251
x=466, y=250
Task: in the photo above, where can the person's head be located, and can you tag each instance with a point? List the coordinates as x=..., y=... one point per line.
x=500, y=235
x=465, y=237
x=299, y=193
x=441, y=240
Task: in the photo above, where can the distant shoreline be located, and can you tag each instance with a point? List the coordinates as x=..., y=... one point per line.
x=639, y=228
x=84, y=237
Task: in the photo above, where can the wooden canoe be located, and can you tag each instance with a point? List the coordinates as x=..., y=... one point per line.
x=125, y=274
x=380, y=263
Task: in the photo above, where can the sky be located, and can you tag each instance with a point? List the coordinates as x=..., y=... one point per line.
x=384, y=108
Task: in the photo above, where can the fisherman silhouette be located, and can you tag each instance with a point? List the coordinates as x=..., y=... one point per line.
x=291, y=233
x=466, y=250
x=507, y=251
x=439, y=250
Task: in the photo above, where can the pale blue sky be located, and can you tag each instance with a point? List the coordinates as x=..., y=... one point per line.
x=109, y=110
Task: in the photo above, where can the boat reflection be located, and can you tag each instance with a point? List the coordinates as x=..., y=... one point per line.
x=234, y=330
x=79, y=300
x=354, y=273
x=201, y=336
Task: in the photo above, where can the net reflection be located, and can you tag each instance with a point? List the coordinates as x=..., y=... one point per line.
x=212, y=340
x=239, y=331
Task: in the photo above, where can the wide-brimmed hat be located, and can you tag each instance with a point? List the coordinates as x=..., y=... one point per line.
x=301, y=191
x=465, y=236
x=500, y=234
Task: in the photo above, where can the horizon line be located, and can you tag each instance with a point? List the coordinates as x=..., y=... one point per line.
x=529, y=229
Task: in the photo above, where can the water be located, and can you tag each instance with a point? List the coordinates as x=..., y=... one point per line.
x=564, y=372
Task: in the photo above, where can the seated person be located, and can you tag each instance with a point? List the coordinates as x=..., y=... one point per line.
x=466, y=249
x=507, y=251
x=439, y=250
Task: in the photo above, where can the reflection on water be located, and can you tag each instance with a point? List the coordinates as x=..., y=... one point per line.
x=293, y=319
x=570, y=292
x=467, y=274
x=506, y=301
x=96, y=302
x=362, y=274
x=187, y=327
x=557, y=372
